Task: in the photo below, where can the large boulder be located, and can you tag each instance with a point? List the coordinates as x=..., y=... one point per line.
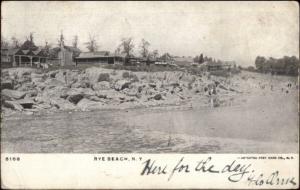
x=157, y=97
x=103, y=85
x=81, y=84
x=55, y=91
x=67, y=76
x=82, y=81
x=62, y=104
x=110, y=94
x=95, y=98
x=26, y=103
x=97, y=74
x=7, y=84
x=83, y=91
x=24, y=79
x=13, y=105
x=87, y=92
x=31, y=93
x=38, y=78
x=152, y=85
x=103, y=77
x=131, y=92
x=20, y=72
x=61, y=75
x=53, y=82
x=75, y=98
x=26, y=87
x=4, y=73
x=19, y=104
x=86, y=104
x=42, y=106
x=52, y=74
x=45, y=102
x=149, y=91
x=74, y=95
x=13, y=94
x=188, y=78
x=121, y=84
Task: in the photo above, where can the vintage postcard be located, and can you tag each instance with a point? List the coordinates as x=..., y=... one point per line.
x=155, y=95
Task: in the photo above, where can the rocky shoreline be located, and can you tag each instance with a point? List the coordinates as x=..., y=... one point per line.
x=31, y=90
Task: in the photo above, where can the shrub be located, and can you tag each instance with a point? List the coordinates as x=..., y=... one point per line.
x=190, y=85
x=144, y=77
x=114, y=72
x=237, y=71
x=125, y=74
x=220, y=73
x=142, y=68
x=103, y=77
x=133, y=77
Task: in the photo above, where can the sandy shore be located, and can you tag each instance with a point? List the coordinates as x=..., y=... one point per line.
x=259, y=121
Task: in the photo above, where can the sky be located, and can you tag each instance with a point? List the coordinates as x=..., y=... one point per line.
x=237, y=31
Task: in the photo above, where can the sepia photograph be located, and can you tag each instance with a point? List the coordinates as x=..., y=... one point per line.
x=149, y=77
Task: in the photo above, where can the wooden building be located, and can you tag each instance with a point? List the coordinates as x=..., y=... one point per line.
x=27, y=55
x=7, y=56
x=99, y=57
x=216, y=66
x=65, y=54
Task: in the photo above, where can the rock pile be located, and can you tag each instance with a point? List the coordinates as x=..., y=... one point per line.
x=99, y=88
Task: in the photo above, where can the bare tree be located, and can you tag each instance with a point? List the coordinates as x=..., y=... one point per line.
x=4, y=42
x=118, y=50
x=61, y=41
x=155, y=54
x=201, y=59
x=75, y=41
x=47, y=48
x=30, y=37
x=15, y=42
x=127, y=46
x=144, y=48
x=92, y=44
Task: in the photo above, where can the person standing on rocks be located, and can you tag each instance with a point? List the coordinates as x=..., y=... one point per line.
x=65, y=76
x=212, y=95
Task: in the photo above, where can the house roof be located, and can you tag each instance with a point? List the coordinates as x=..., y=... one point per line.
x=70, y=48
x=184, y=59
x=98, y=54
x=28, y=45
x=119, y=54
x=38, y=52
x=54, y=51
x=229, y=63
x=7, y=51
x=211, y=63
x=167, y=56
x=25, y=52
x=94, y=54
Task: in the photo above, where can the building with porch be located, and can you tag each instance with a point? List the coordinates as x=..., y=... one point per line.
x=7, y=57
x=99, y=57
x=27, y=55
x=217, y=66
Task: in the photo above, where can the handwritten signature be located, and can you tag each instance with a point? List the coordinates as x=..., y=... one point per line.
x=236, y=172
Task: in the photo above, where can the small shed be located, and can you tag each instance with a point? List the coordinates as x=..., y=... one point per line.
x=66, y=54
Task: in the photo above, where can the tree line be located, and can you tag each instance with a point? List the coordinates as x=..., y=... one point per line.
x=201, y=59
x=126, y=45
x=285, y=65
